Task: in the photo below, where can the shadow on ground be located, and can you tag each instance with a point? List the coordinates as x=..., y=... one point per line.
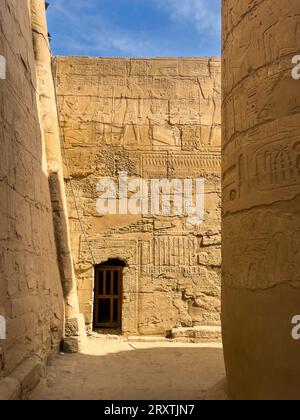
x=110, y=370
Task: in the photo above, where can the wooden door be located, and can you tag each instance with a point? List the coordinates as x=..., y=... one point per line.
x=108, y=297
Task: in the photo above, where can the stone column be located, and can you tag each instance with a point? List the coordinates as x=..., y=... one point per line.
x=261, y=198
x=75, y=327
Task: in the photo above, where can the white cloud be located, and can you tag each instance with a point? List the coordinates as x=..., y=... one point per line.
x=205, y=15
x=88, y=27
x=91, y=34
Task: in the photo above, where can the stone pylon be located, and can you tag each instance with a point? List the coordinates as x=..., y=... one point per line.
x=75, y=333
x=261, y=198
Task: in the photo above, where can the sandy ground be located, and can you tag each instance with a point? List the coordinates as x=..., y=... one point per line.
x=116, y=369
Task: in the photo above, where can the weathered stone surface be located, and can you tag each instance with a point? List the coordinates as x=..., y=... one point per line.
x=30, y=288
x=10, y=389
x=261, y=198
x=156, y=118
x=51, y=138
x=202, y=334
x=75, y=334
x=28, y=375
x=154, y=370
x=20, y=383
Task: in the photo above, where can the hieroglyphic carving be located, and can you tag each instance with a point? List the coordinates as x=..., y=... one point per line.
x=187, y=164
x=191, y=137
x=184, y=111
x=275, y=166
x=190, y=68
x=155, y=119
x=261, y=223
x=269, y=255
x=106, y=248
x=180, y=164
x=262, y=171
x=155, y=164
x=166, y=136
x=169, y=254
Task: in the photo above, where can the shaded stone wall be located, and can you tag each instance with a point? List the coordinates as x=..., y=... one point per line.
x=156, y=118
x=30, y=288
x=75, y=334
x=261, y=204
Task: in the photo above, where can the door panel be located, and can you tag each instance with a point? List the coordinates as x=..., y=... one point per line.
x=108, y=297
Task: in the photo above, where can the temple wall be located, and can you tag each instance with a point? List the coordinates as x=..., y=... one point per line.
x=156, y=118
x=153, y=119
x=261, y=201
x=30, y=287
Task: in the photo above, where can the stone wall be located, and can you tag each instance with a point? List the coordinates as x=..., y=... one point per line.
x=75, y=334
x=157, y=118
x=30, y=288
x=261, y=205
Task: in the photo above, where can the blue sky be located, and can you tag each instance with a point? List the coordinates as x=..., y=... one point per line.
x=135, y=28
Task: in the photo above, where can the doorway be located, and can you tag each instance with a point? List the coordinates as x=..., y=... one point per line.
x=108, y=295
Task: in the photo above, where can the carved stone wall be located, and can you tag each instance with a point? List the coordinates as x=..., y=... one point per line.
x=30, y=288
x=261, y=205
x=157, y=118
x=75, y=333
